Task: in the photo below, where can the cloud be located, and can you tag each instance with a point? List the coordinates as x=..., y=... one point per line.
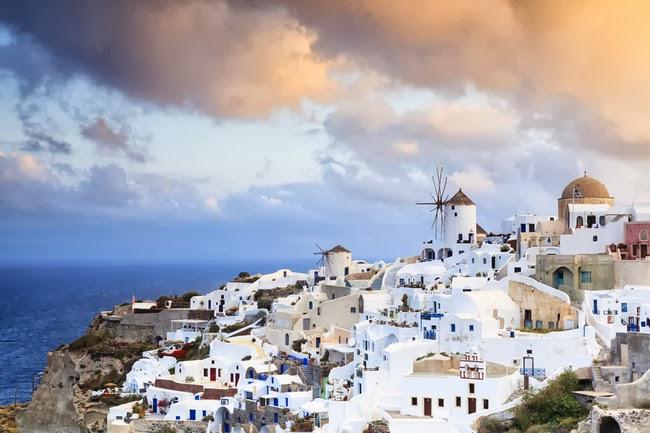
x=535, y=54
x=111, y=140
x=102, y=191
x=36, y=127
x=39, y=142
x=195, y=54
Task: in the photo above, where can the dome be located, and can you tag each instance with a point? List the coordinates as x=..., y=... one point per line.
x=585, y=186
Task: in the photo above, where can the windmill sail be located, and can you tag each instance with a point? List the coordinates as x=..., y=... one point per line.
x=439, y=198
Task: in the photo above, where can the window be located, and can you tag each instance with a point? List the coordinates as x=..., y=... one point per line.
x=580, y=221
x=205, y=372
x=471, y=327
x=601, y=220
x=458, y=401
x=276, y=417
x=471, y=388
x=643, y=235
x=353, y=310
x=318, y=310
x=414, y=401
x=453, y=327
x=486, y=403
x=455, y=214
x=484, y=261
x=585, y=277
x=441, y=402
x=453, y=207
x=624, y=307
x=595, y=238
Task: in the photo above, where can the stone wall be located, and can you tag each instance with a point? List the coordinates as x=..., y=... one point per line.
x=630, y=349
x=607, y=421
x=543, y=307
x=631, y=272
x=159, y=323
x=152, y=426
x=601, y=267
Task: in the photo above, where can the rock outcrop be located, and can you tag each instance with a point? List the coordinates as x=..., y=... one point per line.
x=62, y=403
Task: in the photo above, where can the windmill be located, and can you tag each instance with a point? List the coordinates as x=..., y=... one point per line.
x=324, y=258
x=438, y=202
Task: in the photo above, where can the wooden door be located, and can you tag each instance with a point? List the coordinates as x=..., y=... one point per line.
x=427, y=407
x=213, y=374
x=471, y=405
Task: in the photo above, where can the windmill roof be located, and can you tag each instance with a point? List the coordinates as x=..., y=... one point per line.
x=460, y=199
x=338, y=249
x=480, y=230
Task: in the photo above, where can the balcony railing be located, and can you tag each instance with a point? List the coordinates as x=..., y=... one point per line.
x=533, y=372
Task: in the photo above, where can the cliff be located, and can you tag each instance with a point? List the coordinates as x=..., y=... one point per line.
x=62, y=403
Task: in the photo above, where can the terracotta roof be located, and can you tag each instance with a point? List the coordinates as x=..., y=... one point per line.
x=175, y=386
x=218, y=393
x=585, y=187
x=338, y=249
x=460, y=199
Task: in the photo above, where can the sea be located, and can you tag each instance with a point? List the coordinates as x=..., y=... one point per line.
x=44, y=305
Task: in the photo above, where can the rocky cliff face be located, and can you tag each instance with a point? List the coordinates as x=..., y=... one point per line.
x=62, y=403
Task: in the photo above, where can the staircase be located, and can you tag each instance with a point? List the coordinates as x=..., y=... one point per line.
x=311, y=376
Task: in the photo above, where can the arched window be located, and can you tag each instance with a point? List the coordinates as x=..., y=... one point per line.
x=286, y=339
x=643, y=235
x=580, y=221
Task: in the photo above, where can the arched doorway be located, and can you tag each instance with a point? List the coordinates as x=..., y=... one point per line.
x=609, y=425
x=428, y=254
x=563, y=279
x=443, y=253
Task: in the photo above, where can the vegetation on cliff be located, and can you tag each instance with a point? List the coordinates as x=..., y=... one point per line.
x=8, y=418
x=552, y=409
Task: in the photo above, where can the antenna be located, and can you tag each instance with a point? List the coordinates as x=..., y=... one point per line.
x=439, y=199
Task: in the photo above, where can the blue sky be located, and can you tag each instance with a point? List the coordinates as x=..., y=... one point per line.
x=208, y=130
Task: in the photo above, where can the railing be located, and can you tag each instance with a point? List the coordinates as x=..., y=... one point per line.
x=430, y=334
x=533, y=372
x=429, y=315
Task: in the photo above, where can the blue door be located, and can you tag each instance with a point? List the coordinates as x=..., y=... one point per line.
x=226, y=427
x=155, y=405
x=192, y=415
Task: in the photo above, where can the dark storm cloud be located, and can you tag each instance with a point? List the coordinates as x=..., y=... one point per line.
x=194, y=54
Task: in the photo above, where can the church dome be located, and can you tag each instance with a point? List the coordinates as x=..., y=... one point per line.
x=586, y=187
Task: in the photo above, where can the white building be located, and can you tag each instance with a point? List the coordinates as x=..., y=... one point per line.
x=460, y=230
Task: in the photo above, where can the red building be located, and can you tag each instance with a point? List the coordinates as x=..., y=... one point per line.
x=636, y=239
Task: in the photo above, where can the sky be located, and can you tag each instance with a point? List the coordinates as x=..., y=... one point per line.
x=213, y=130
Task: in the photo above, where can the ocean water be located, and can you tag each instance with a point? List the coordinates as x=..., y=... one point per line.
x=45, y=305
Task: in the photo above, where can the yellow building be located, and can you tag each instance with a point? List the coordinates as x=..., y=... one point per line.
x=583, y=190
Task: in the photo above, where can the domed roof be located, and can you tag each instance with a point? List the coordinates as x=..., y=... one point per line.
x=585, y=186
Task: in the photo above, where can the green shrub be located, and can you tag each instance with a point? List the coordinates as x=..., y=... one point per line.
x=187, y=296
x=554, y=406
x=86, y=341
